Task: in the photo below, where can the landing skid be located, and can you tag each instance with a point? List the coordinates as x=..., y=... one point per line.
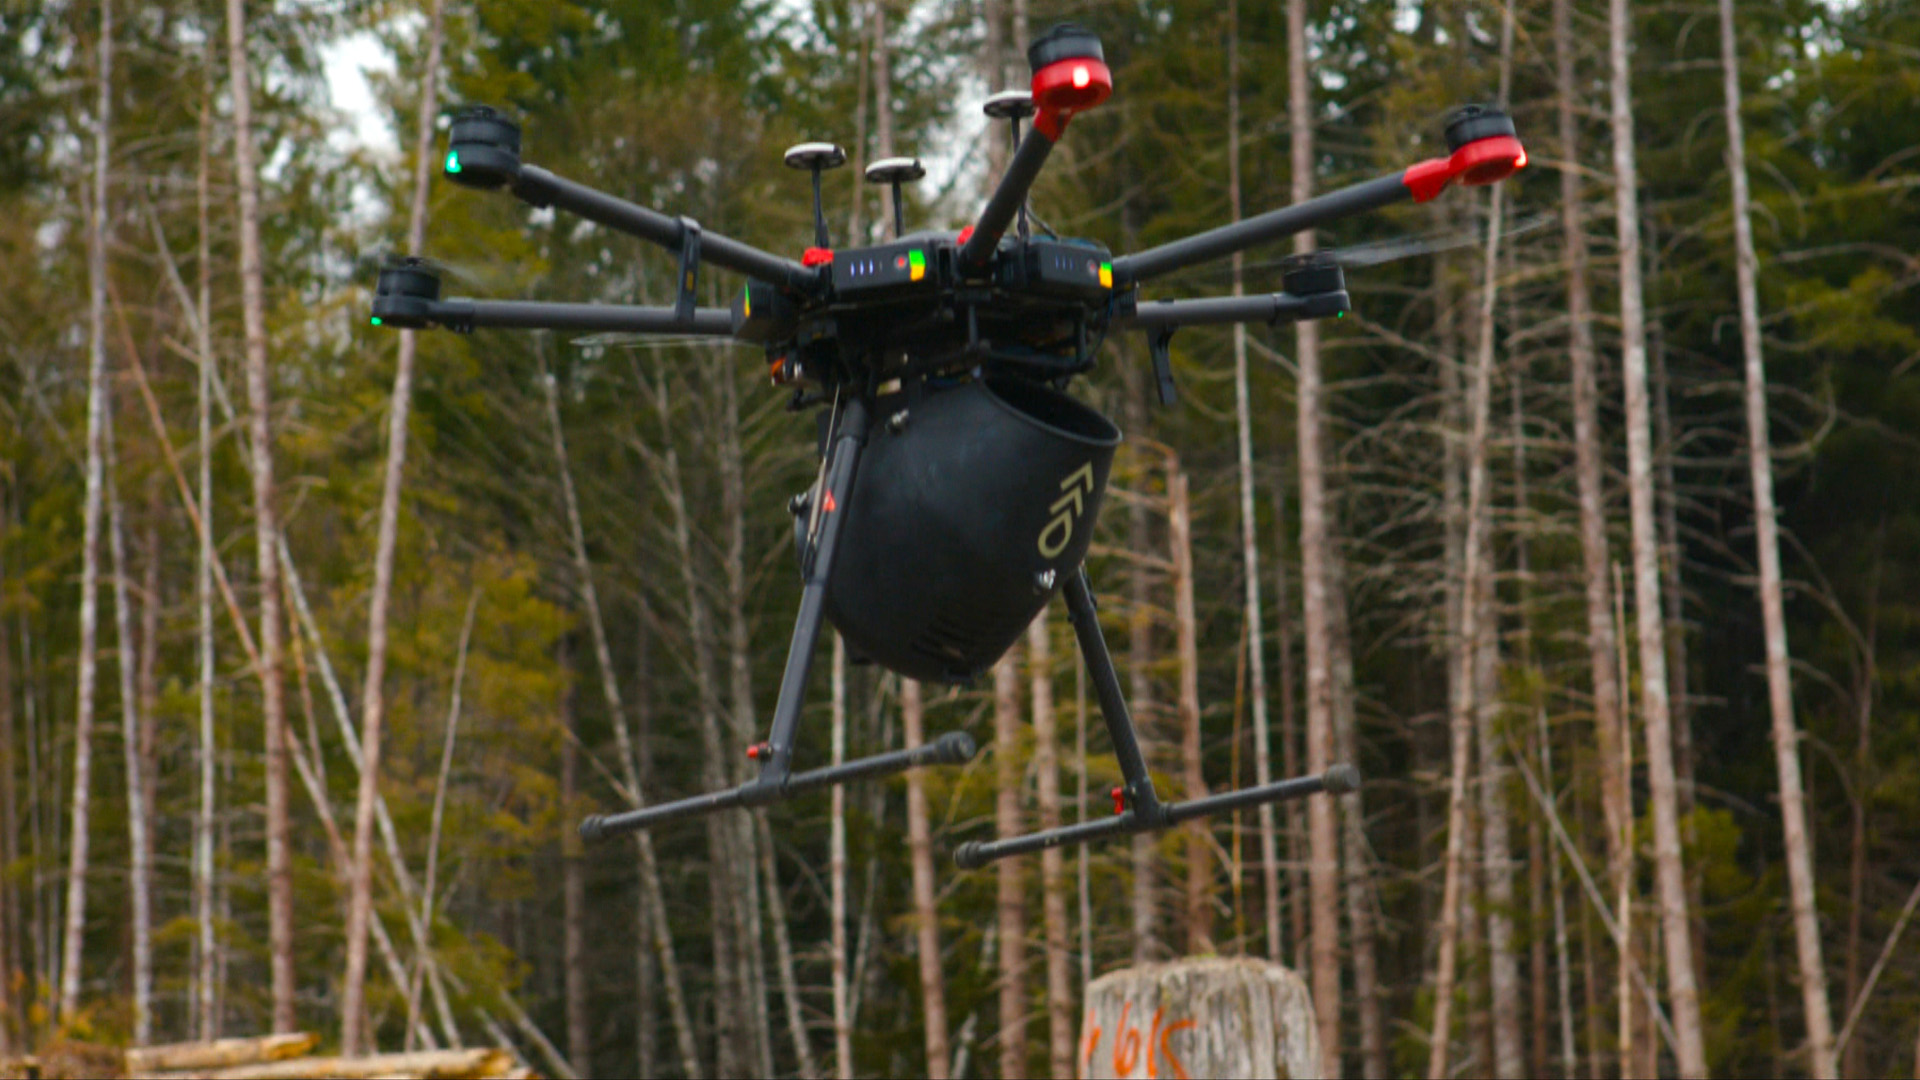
x=1137, y=807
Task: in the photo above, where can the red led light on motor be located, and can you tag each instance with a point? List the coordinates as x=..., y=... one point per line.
x=1081, y=76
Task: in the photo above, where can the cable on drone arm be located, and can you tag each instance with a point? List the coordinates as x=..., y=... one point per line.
x=484, y=152
x=1069, y=76
x=1484, y=150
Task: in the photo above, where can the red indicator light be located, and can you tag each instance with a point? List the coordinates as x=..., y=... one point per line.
x=1521, y=161
x=899, y=262
x=1081, y=77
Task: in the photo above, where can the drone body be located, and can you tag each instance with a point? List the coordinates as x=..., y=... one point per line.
x=959, y=483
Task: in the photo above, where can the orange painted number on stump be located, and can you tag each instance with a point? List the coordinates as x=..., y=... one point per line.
x=1127, y=1044
x=1093, y=1041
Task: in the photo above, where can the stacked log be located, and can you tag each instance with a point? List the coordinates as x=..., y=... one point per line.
x=267, y=1057
x=1200, y=1018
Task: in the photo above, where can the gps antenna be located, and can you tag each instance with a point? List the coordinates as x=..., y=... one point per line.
x=896, y=171
x=1013, y=106
x=816, y=158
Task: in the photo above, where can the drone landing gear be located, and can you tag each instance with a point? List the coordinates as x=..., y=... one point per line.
x=777, y=780
x=1137, y=807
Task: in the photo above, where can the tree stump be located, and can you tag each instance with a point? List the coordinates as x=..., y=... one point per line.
x=1200, y=1018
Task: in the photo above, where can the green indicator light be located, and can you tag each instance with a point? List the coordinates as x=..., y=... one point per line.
x=1107, y=266
x=917, y=259
x=375, y=320
x=1339, y=314
x=453, y=161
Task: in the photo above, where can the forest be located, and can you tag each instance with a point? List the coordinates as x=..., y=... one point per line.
x=1591, y=536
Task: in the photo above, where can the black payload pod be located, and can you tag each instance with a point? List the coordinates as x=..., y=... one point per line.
x=970, y=509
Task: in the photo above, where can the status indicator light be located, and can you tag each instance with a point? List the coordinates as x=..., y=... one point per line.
x=1106, y=275
x=1081, y=77
x=916, y=265
x=375, y=320
x=453, y=161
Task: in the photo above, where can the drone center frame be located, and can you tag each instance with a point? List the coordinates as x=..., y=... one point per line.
x=965, y=520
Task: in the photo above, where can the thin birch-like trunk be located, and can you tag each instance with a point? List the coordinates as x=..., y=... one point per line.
x=1786, y=735
x=427, y=894
x=97, y=419
x=1356, y=873
x=610, y=688
x=1053, y=870
x=573, y=892
x=926, y=916
x=253, y=306
x=209, y=750
x=1011, y=894
x=9, y=817
x=837, y=873
x=147, y=676
x=1676, y=930
x=750, y=831
x=1249, y=533
x=140, y=898
x=1589, y=472
x=1323, y=858
x=1287, y=948
x=1186, y=635
x=354, y=1037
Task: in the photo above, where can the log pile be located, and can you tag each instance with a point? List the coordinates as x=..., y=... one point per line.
x=266, y=1057
x=1204, y=1017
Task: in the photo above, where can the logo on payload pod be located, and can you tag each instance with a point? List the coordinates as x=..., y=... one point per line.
x=1067, y=510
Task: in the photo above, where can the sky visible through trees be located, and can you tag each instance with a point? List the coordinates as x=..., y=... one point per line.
x=1595, y=544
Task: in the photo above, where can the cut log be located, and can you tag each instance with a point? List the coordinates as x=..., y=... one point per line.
x=221, y=1054
x=1192, y=1018
x=427, y=1064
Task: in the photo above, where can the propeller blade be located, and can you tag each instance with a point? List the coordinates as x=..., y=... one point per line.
x=625, y=340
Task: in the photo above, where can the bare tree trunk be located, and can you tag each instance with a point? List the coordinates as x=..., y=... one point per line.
x=1011, y=904
x=837, y=873
x=1053, y=871
x=1356, y=875
x=1199, y=854
x=1650, y=618
x=926, y=916
x=207, y=943
x=573, y=890
x=97, y=419
x=750, y=830
x=260, y=427
x=354, y=1037
x=1786, y=736
x=646, y=1003
x=140, y=898
x=1249, y=538
x=147, y=676
x=1589, y=475
x=9, y=815
x=610, y=688
x=1278, y=949
x=1323, y=860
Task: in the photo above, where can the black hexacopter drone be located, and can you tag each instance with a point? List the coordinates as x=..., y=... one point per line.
x=958, y=484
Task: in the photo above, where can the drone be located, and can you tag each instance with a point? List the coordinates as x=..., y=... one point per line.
x=958, y=481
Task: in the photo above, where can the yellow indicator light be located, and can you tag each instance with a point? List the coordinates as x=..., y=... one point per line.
x=1106, y=275
x=746, y=302
x=916, y=265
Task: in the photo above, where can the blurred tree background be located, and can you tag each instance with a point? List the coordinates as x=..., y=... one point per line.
x=592, y=582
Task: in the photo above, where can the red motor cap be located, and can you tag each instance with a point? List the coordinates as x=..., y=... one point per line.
x=1070, y=75
x=816, y=256
x=1065, y=87
x=1483, y=161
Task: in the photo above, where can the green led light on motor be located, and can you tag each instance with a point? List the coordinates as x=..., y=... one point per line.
x=375, y=320
x=1339, y=314
x=453, y=161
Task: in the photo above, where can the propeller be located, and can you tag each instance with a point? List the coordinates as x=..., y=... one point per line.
x=1386, y=251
